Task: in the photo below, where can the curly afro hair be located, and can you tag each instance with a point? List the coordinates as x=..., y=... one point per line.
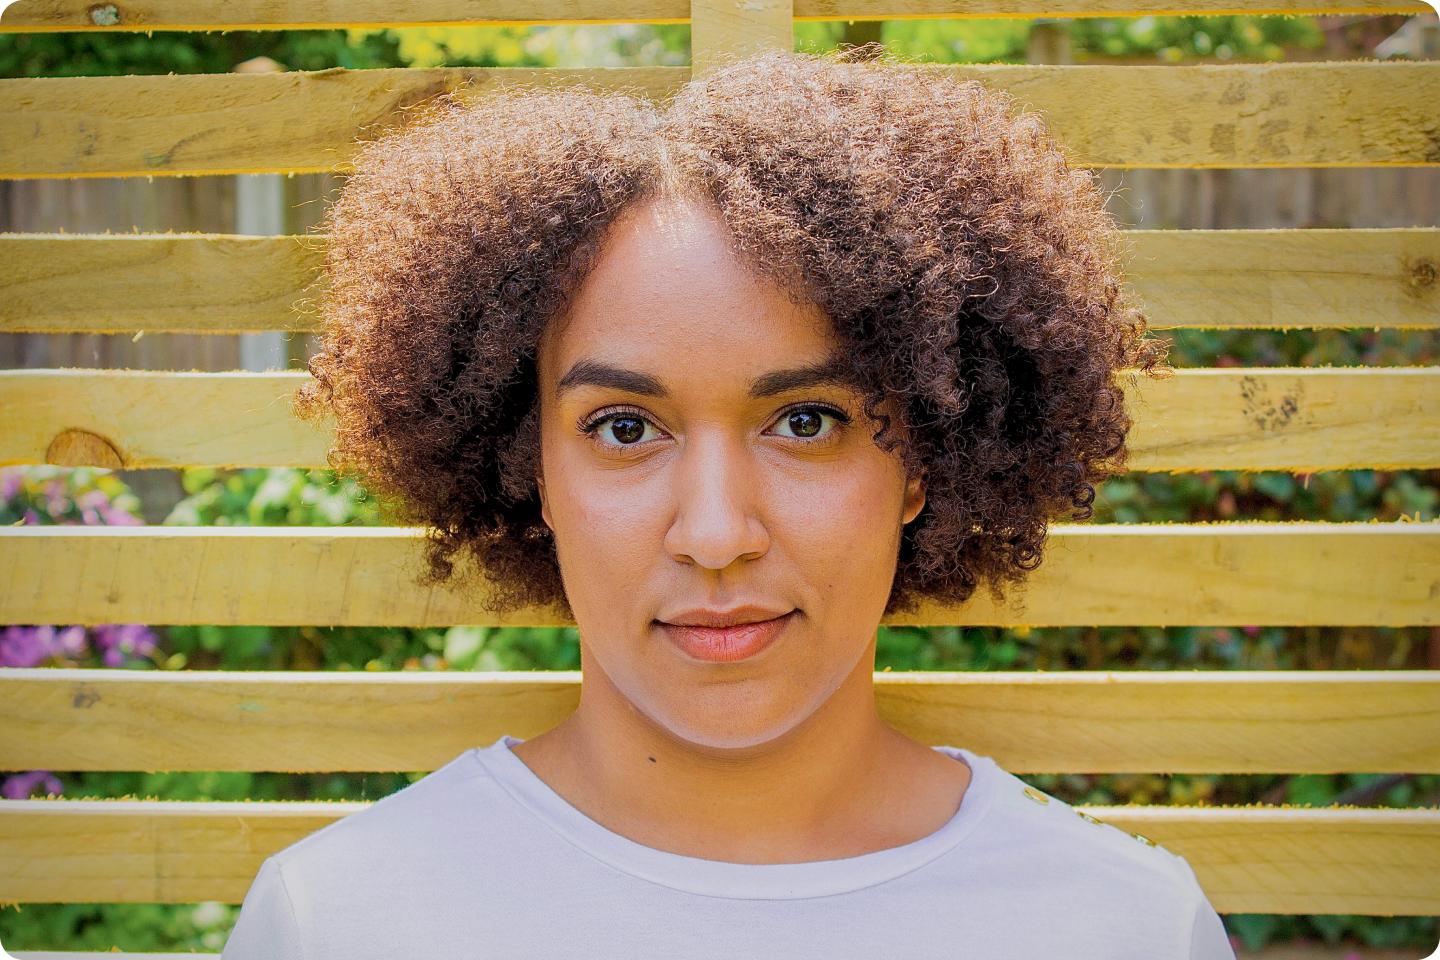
x=971, y=273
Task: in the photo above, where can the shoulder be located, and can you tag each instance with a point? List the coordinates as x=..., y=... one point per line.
x=1052, y=829
x=316, y=896
x=1056, y=851
x=410, y=823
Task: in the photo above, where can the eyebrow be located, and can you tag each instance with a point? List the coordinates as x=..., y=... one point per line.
x=833, y=371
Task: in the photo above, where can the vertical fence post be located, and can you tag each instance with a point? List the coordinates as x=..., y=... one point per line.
x=260, y=211
x=722, y=31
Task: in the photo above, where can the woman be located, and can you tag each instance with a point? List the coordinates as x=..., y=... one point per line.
x=727, y=381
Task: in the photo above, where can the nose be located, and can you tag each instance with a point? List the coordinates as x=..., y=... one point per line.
x=716, y=490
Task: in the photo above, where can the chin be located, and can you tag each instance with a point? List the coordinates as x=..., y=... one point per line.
x=715, y=721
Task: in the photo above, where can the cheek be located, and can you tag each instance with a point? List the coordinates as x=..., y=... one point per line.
x=835, y=525
x=605, y=530
x=845, y=516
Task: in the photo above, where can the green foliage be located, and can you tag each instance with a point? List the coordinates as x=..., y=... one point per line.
x=130, y=927
x=119, y=54
x=617, y=45
x=512, y=648
x=957, y=41
x=1257, y=930
x=116, y=54
x=1165, y=39
x=1176, y=39
x=277, y=497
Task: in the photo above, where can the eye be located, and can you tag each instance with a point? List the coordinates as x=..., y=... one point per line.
x=628, y=426
x=808, y=420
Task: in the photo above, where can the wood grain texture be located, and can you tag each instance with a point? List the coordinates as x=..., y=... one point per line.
x=933, y=9
x=35, y=16
x=1253, y=418
x=297, y=121
x=1199, y=574
x=1307, y=114
x=160, y=283
x=1325, y=114
x=722, y=31
x=1248, y=859
x=1212, y=279
x=1380, y=721
x=1285, y=279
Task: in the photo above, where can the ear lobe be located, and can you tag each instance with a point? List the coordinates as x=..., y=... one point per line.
x=914, y=498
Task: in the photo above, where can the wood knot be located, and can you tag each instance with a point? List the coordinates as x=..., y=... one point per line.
x=1423, y=272
x=104, y=15
x=81, y=448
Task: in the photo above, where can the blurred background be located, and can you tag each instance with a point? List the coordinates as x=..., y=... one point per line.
x=293, y=204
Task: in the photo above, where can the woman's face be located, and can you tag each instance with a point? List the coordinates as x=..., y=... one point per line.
x=687, y=467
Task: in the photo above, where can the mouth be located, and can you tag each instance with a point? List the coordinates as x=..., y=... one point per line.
x=726, y=644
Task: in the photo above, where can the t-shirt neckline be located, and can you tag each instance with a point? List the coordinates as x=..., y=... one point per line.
x=758, y=881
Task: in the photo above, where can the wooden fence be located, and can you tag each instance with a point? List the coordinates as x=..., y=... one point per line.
x=1253, y=859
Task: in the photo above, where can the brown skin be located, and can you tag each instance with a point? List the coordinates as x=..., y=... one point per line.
x=723, y=500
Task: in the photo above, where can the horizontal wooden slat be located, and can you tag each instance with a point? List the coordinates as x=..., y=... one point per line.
x=1295, y=419
x=1248, y=859
x=297, y=121
x=1284, y=279
x=1221, y=279
x=1299, y=950
x=34, y=16
x=1240, y=418
x=39, y=16
x=1307, y=114
x=165, y=283
x=1202, y=574
x=1071, y=722
x=116, y=851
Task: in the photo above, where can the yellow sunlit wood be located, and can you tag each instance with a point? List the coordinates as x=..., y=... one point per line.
x=1385, y=721
x=1200, y=574
x=34, y=16
x=1214, y=279
x=1250, y=860
x=1297, y=114
x=1300, y=419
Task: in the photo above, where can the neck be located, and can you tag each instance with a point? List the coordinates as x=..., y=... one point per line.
x=819, y=787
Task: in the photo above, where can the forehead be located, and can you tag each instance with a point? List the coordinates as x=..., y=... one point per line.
x=668, y=295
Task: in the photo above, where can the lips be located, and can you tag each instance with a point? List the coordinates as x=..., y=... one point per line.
x=726, y=644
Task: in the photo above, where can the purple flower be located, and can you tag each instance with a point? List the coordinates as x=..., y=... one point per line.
x=26, y=646
x=116, y=517
x=11, y=480
x=69, y=642
x=117, y=641
x=22, y=785
x=55, y=500
x=32, y=646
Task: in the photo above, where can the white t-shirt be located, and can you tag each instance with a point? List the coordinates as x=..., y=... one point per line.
x=482, y=859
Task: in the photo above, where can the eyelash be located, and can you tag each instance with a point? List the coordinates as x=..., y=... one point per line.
x=590, y=425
